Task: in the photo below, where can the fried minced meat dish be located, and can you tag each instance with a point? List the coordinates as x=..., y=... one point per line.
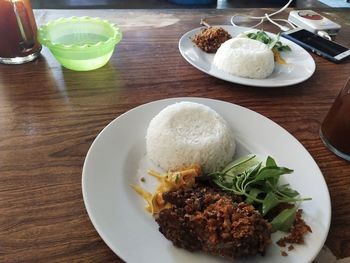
x=203, y=218
x=210, y=39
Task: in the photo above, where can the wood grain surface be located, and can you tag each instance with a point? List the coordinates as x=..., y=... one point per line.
x=49, y=116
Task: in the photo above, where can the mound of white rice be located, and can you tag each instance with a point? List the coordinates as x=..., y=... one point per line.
x=245, y=57
x=187, y=133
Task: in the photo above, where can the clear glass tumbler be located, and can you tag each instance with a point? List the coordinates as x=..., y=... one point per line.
x=335, y=129
x=18, y=32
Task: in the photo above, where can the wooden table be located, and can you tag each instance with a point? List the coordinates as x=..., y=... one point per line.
x=49, y=116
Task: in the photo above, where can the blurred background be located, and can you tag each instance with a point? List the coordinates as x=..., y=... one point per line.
x=154, y=4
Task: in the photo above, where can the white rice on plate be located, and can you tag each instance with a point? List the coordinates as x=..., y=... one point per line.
x=188, y=133
x=245, y=57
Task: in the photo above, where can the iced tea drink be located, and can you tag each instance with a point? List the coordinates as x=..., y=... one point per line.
x=18, y=32
x=335, y=129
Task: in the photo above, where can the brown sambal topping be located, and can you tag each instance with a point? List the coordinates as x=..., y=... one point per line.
x=211, y=38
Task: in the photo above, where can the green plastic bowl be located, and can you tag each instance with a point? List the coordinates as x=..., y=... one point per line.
x=80, y=43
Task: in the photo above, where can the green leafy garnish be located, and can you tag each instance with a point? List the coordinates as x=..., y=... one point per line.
x=284, y=220
x=259, y=183
x=272, y=43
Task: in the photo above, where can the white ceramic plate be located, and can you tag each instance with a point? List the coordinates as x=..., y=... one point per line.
x=300, y=65
x=117, y=159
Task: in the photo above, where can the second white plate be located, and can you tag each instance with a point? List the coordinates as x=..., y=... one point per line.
x=300, y=65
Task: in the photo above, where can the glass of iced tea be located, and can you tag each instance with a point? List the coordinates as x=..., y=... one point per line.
x=335, y=129
x=18, y=32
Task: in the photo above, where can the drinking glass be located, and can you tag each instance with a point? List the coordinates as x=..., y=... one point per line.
x=335, y=129
x=18, y=32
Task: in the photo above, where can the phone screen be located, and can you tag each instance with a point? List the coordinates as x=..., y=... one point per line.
x=318, y=42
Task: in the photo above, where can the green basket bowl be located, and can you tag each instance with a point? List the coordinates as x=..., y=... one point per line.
x=80, y=43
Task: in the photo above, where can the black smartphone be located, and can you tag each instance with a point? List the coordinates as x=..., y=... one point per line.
x=319, y=45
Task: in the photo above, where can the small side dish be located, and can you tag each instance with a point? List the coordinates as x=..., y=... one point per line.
x=298, y=67
x=248, y=55
x=210, y=39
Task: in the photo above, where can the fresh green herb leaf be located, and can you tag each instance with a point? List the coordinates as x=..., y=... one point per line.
x=270, y=162
x=272, y=43
x=253, y=193
x=240, y=165
x=286, y=191
x=271, y=172
x=177, y=178
x=258, y=183
x=284, y=48
x=269, y=202
x=284, y=220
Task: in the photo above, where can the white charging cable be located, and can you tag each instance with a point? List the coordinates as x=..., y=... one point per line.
x=266, y=17
x=283, y=28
